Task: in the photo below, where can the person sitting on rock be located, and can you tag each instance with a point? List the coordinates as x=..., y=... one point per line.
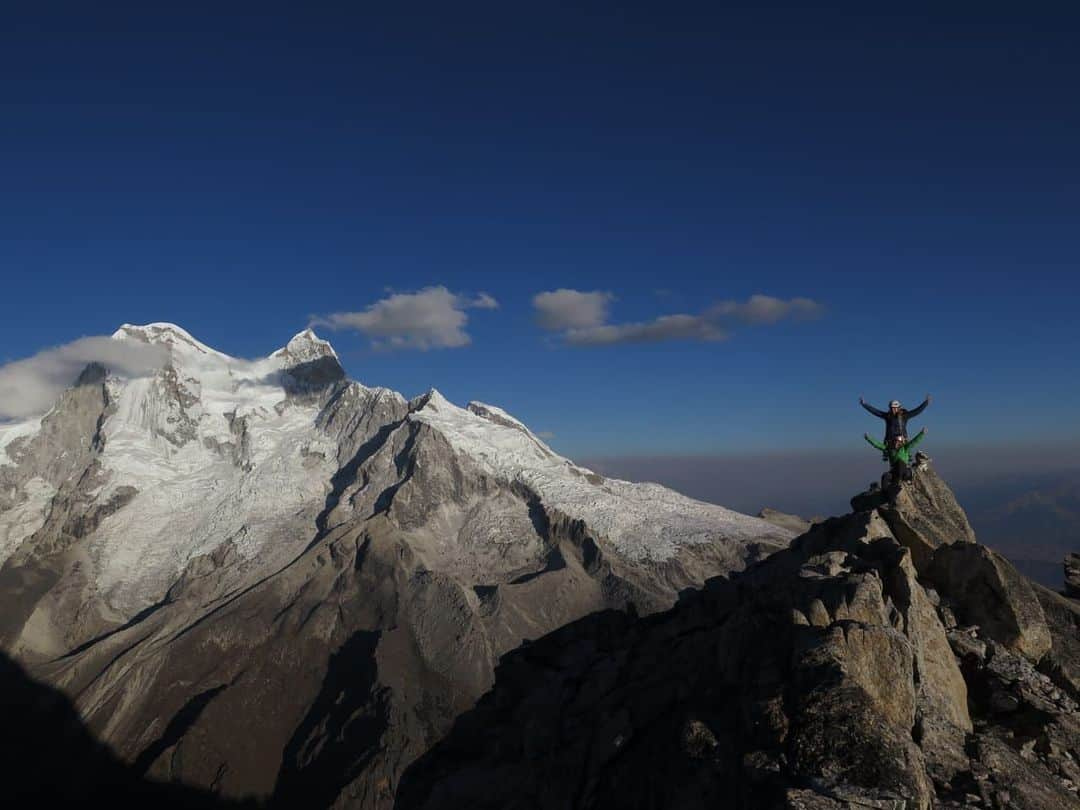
x=896, y=418
x=898, y=454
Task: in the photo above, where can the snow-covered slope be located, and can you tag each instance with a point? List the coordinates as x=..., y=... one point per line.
x=217, y=450
x=641, y=521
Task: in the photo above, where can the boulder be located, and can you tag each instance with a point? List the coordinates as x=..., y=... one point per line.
x=924, y=515
x=984, y=589
x=1062, y=663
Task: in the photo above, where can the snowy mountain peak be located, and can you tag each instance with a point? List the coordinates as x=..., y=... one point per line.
x=434, y=400
x=305, y=346
x=166, y=334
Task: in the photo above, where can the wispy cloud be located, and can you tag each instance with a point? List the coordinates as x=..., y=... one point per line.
x=582, y=318
x=432, y=318
x=666, y=327
x=31, y=386
x=765, y=309
x=571, y=309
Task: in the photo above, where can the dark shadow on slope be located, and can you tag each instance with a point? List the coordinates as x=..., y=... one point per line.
x=341, y=732
x=307, y=377
x=405, y=463
x=347, y=474
x=554, y=561
x=139, y=617
x=178, y=726
x=50, y=759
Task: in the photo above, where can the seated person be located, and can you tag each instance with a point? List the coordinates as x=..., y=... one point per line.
x=898, y=454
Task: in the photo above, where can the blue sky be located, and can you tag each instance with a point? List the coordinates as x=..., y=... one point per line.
x=242, y=171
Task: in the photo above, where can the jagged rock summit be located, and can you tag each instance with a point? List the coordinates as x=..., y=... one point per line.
x=835, y=674
x=260, y=577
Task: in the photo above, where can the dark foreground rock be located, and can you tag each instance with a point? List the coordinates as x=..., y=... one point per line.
x=1072, y=576
x=835, y=674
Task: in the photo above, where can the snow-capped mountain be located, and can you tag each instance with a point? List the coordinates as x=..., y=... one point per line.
x=227, y=562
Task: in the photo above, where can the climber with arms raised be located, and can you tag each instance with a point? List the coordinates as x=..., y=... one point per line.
x=896, y=418
x=898, y=453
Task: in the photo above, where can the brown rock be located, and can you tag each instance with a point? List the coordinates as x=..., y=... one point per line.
x=942, y=718
x=925, y=516
x=1063, y=618
x=985, y=590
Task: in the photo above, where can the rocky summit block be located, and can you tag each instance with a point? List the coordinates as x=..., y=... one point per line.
x=922, y=513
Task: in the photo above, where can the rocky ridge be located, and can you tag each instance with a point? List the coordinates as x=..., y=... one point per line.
x=884, y=660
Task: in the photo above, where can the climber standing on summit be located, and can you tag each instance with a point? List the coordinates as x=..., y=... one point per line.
x=896, y=418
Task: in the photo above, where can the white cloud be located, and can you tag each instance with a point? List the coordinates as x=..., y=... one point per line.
x=432, y=318
x=31, y=386
x=581, y=318
x=571, y=309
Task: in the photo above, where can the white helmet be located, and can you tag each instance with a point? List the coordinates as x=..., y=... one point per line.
x=894, y=404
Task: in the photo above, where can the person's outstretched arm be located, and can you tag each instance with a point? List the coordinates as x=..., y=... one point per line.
x=873, y=442
x=872, y=409
x=911, y=444
x=920, y=409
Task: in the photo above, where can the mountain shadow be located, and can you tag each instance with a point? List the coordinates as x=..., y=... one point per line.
x=51, y=759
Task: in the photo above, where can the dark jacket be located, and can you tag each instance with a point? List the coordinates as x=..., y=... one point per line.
x=896, y=423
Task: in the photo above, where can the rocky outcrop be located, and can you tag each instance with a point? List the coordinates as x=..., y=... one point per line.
x=923, y=514
x=986, y=590
x=1062, y=662
x=1072, y=575
x=834, y=674
x=1027, y=735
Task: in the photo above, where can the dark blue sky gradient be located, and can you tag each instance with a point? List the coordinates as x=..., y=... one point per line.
x=238, y=168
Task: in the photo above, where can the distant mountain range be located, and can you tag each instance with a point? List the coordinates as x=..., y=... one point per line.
x=1032, y=519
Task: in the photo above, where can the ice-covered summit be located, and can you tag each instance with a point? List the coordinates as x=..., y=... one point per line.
x=305, y=346
x=169, y=335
